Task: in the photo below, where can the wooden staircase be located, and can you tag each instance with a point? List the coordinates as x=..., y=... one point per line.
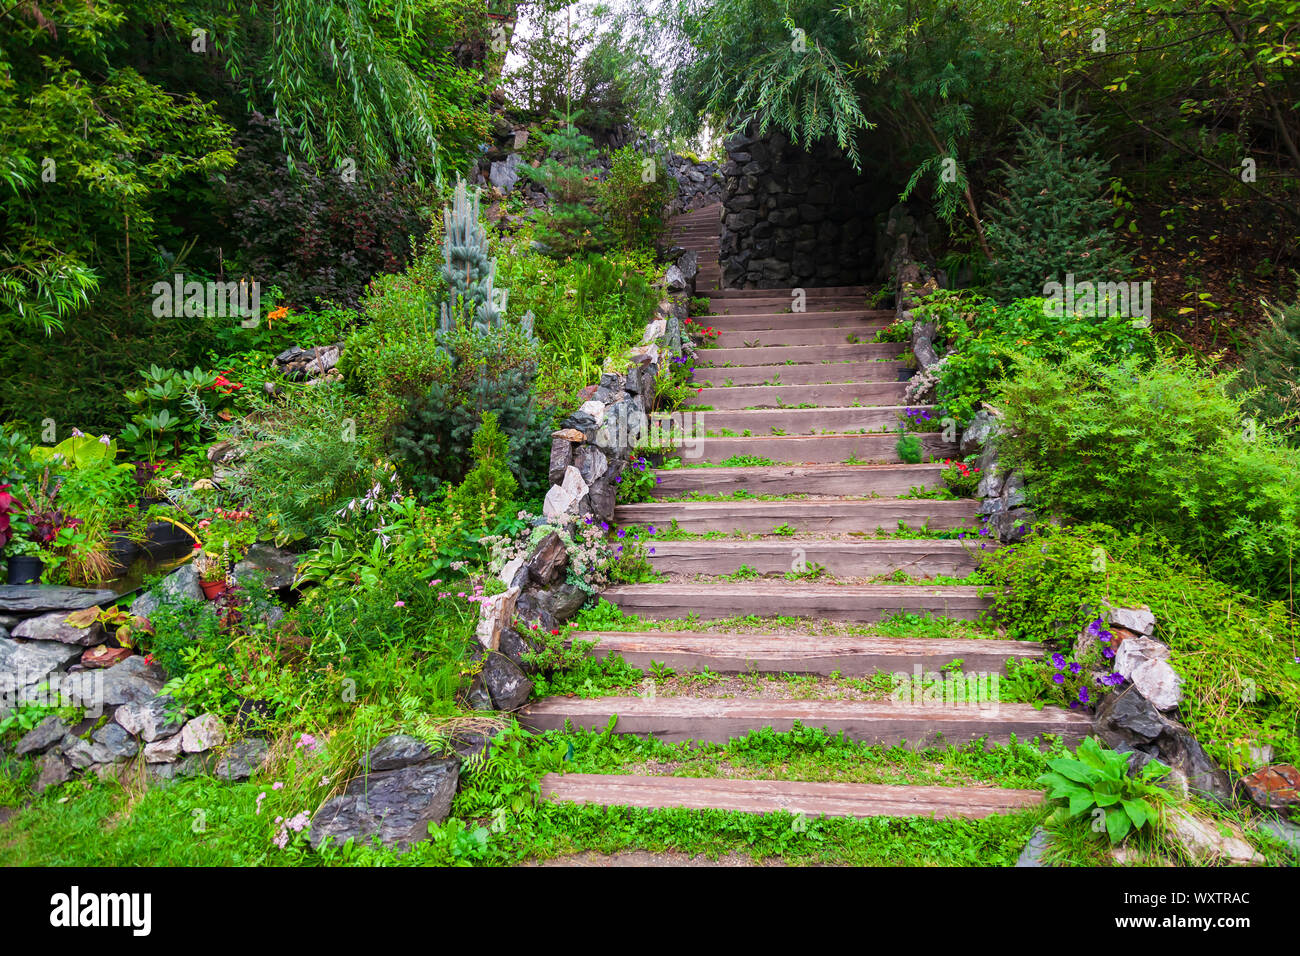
x=810, y=392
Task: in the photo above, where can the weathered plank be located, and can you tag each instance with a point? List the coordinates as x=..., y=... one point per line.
x=920, y=558
x=819, y=373
x=816, y=516
x=839, y=394
x=801, y=354
x=851, y=480
x=805, y=798
x=804, y=421
x=768, y=598
x=812, y=449
x=850, y=656
x=887, y=723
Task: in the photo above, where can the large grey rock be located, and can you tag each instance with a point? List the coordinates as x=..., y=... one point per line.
x=509, y=688
x=1130, y=723
x=165, y=750
x=276, y=566
x=27, y=599
x=1202, y=840
x=504, y=174
x=23, y=665
x=148, y=719
x=1032, y=854
x=77, y=752
x=130, y=682
x=181, y=583
x=203, y=733
x=397, y=806
x=55, y=627
x=1140, y=620
x=53, y=770
x=43, y=736
x=396, y=751
x=111, y=743
x=1145, y=662
x=242, y=759
x=983, y=425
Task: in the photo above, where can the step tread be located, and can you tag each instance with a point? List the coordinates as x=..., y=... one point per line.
x=841, y=373
x=799, y=479
x=798, y=354
x=887, y=722
x=849, y=655
x=809, y=798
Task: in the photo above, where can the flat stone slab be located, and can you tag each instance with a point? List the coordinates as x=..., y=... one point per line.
x=23, y=664
x=40, y=598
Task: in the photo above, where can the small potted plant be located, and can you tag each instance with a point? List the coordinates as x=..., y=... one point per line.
x=25, y=564
x=212, y=574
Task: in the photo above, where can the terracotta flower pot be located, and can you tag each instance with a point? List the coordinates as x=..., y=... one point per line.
x=213, y=589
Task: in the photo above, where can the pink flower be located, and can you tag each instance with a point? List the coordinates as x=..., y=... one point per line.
x=278, y=785
x=399, y=604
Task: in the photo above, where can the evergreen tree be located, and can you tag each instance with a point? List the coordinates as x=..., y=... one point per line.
x=489, y=488
x=1055, y=217
x=569, y=226
x=1269, y=372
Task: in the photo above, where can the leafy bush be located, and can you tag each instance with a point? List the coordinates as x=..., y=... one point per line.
x=314, y=233
x=1162, y=447
x=302, y=459
x=988, y=339
x=1236, y=653
x=633, y=197
x=1270, y=370
x=1096, y=781
x=1055, y=217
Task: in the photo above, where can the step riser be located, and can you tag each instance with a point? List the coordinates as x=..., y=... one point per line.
x=775, y=396
x=816, y=516
x=843, y=373
x=864, y=333
x=813, y=449
x=922, y=727
x=692, y=652
x=778, y=355
x=719, y=306
x=840, y=560
x=855, y=320
x=816, y=606
x=810, y=800
x=853, y=480
x=813, y=292
x=801, y=421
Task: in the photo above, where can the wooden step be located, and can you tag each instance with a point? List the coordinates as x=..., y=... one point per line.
x=861, y=333
x=715, y=600
x=800, y=354
x=804, y=421
x=813, y=292
x=817, y=516
x=820, y=373
x=860, y=480
x=886, y=723
x=814, y=449
x=728, y=306
x=839, y=394
x=808, y=799
x=848, y=656
x=850, y=318
x=918, y=557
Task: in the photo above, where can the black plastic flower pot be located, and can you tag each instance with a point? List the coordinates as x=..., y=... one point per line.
x=25, y=569
x=164, y=541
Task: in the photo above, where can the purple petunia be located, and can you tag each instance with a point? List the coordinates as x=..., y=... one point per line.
x=1058, y=678
x=1076, y=668
x=1058, y=659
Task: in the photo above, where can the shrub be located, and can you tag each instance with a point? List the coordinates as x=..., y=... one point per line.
x=633, y=197
x=313, y=233
x=569, y=226
x=988, y=339
x=1236, y=653
x=1161, y=447
x=1097, y=782
x=1055, y=217
x=1270, y=368
x=489, y=488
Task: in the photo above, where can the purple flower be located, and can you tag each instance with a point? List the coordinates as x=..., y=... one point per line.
x=1058, y=678
x=622, y=533
x=1058, y=659
x=651, y=529
x=652, y=550
x=1107, y=653
x=1076, y=668
x=1083, y=695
